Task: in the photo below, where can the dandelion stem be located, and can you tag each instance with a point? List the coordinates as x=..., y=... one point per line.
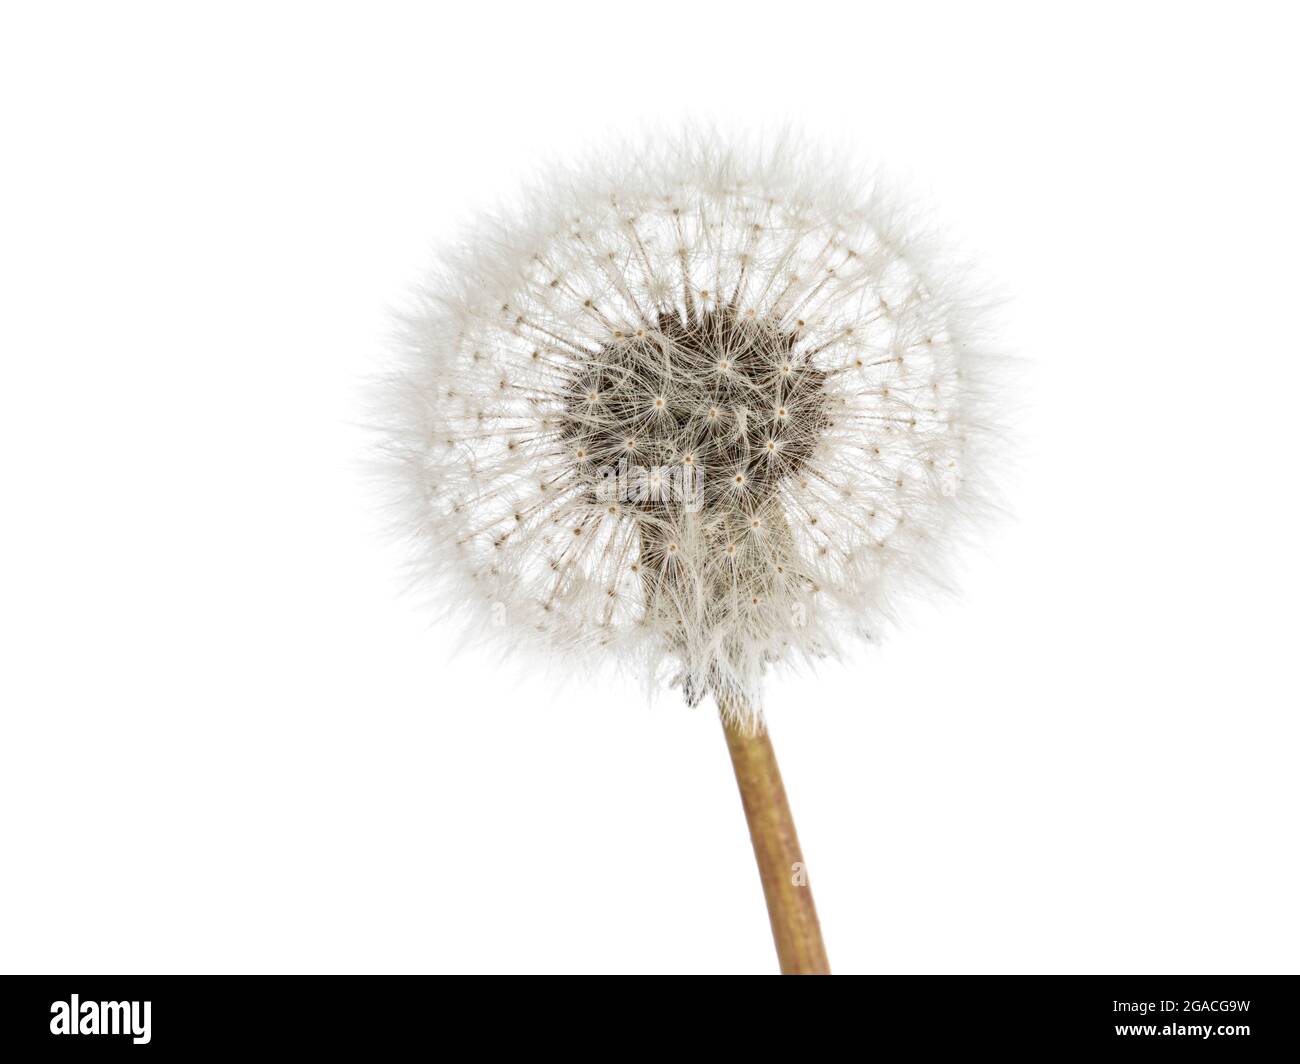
x=790, y=907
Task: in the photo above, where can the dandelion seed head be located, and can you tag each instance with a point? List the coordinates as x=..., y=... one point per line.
x=705, y=410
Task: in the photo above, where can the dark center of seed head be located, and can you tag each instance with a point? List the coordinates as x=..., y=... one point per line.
x=722, y=394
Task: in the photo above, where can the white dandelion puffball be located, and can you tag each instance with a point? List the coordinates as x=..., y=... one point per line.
x=704, y=409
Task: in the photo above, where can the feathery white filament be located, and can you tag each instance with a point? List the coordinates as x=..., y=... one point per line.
x=709, y=408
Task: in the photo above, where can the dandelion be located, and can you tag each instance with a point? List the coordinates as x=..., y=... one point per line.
x=708, y=411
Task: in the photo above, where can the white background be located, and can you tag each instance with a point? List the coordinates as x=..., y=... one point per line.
x=230, y=744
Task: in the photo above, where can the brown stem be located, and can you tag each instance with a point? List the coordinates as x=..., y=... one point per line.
x=790, y=906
